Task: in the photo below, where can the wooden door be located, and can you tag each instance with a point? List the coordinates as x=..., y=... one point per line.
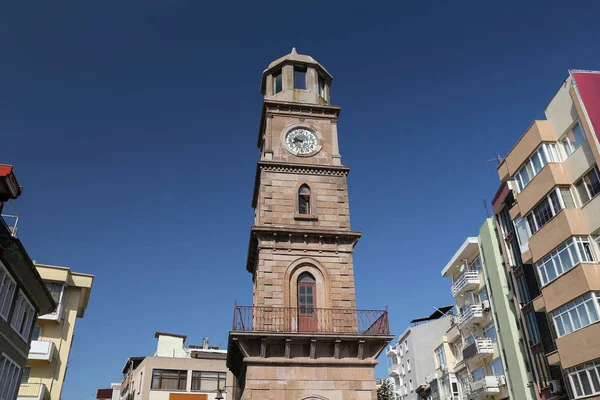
x=307, y=303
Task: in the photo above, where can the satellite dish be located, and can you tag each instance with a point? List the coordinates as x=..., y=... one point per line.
x=462, y=267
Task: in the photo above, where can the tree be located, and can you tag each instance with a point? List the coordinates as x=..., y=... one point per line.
x=386, y=390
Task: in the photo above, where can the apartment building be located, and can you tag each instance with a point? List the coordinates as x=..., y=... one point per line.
x=411, y=361
x=112, y=393
x=549, y=214
x=53, y=333
x=471, y=341
x=176, y=372
x=23, y=295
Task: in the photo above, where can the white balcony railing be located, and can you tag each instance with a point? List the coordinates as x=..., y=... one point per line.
x=41, y=350
x=467, y=280
x=485, y=346
x=391, y=351
x=470, y=314
x=32, y=391
x=489, y=384
x=394, y=370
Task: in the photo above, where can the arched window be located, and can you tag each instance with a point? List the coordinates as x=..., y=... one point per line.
x=307, y=302
x=304, y=200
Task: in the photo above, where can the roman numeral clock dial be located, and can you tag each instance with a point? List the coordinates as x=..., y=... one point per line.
x=301, y=141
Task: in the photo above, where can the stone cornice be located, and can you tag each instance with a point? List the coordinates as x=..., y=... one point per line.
x=275, y=238
x=300, y=110
x=295, y=168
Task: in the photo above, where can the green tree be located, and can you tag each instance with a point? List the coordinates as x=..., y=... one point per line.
x=386, y=390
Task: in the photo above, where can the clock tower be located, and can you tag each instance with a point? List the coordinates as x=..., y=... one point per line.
x=303, y=337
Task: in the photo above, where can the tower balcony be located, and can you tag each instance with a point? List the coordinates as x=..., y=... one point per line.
x=339, y=321
x=468, y=280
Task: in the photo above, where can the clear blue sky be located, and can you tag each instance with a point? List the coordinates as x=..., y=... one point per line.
x=132, y=126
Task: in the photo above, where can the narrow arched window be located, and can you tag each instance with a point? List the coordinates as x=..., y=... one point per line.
x=306, y=293
x=304, y=200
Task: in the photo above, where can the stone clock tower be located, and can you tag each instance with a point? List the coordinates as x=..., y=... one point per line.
x=303, y=337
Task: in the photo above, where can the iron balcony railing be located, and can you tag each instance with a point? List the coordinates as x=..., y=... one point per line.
x=316, y=320
x=463, y=280
x=470, y=312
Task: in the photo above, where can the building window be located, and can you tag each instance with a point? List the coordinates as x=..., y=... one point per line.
x=406, y=346
x=496, y=367
x=208, y=381
x=588, y=186
x=572, y=139
x=585, y=379
x=402, y=369
x=23, y=316
x=277, y=82
x=440, y=356
x=304, y=200
x=457, y=350
x=524, y=297
x=490, y=331
x=532, y=328
x=168, y=379
x=475, y=265
x=408, y=364
x=576, y=314
x=7, y=291
x=321, y=87
x=9, y=375
x=478, y=374
x=558, y=199
x=25, y=376
x=37, y=332
x=541, y=366
x=299, y=77
x=306, y=293
x=544, y=154
x=56, y=291
x=575, y=250
x=410, y=385
x=523, y=233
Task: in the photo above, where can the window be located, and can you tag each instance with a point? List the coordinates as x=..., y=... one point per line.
x=532, y=328
x=541, y=366
x=306, y=293
x=168, y=379
x=566, y=256
x=406, y=346
x=576, y=314
x=523, y=233
x=9, y=375
x=478, y=374
x=524, y=297
x=408, y=364
x=588, y=186
x=490, y=331
x=56, y=291
x=304, y=200
x=208, y=381
x=475, y=265
x=7, y=291
x=457, y=350
x=25, y=376
x=548, y=208
x=544, y=154
x=37, y=332
x=299, y=77
x=440, y=356
x=402, y=369
x=585, y=379
x=277, y=82
x=23, y=316
x=573, y=139
x=496, y=367
x=321, y=87
x=410, y=385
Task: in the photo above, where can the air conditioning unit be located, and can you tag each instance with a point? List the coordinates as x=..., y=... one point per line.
x=502, y=380
x=485, y=305
x=555, y=387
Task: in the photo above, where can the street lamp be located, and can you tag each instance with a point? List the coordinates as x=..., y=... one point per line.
x=219, y=395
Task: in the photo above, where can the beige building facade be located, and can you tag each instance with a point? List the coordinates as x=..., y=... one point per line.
x=302, y=338
x=552, y=181
x=52, y=336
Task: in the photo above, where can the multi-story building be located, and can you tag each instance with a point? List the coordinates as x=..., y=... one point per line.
x=23, y=295
x=303, y=337
x=46, y=369
x=549, y=214
x=411, y=361
x=176, y=372
x=113, y=393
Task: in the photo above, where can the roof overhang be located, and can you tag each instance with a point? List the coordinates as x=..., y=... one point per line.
x=468, y=247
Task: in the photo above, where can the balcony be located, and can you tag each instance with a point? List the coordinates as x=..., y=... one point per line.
x=339, y=321
x=481, y=348
x=487, y=385
x=41, y=350
x=54, y=316
x=33, y=391
x=394, y=370
x=468, y=280
x=391, y=351
x=473, y=314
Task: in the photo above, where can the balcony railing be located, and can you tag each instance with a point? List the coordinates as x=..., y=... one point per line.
x=41, y=350
x=32, y=391
x=481, y=347
x=470, y=314
x=391, y=351
x=467, y=280
x=394, y=370
x=315, y=320
x=489, y=384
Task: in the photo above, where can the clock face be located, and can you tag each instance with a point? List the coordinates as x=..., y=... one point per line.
x=301, y=141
